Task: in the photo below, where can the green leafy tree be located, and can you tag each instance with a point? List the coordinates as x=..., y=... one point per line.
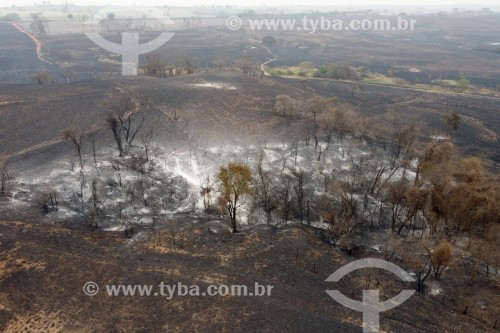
x=236, y=181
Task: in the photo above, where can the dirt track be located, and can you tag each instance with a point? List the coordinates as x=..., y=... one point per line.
x=37, y=42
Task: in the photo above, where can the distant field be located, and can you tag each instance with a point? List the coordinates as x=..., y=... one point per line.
x=59, y=12
x=439, y=48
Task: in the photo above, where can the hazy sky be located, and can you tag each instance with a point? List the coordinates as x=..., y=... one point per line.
x=329, y=3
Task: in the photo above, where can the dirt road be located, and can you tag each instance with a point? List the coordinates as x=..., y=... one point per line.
x=38, y=43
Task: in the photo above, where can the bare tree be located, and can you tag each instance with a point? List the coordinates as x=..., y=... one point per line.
x=403, y=140
x=247, y=65
x=206, y=189
x=284, y=197
x=156, y=66
x=48, y=199
x=113, y=125
x=92, y=142
x=147, y=141
x=97, y=207
x=76, y=139
x=265, y=189
x=421, y=267
x=299, y=180
x=220, y=61
x=379, y=168
x=128, y=113
x=484, y=253
x=4, y=177
x=116, y=166
x=191, y=63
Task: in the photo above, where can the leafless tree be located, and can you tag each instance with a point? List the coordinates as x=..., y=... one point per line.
x=206, y=191
x=284, y=196
x=300, y=181
x=220, y=61
x=420, y=264
x=156, y=66
x=113, y=125
x=49, y=199
x=96, y=203
x=326, y=177
x=403, y=139
x=116, y=166
x=247, y=65
x=94, y=154
x=147, y=141
x=378, y=169
x=76, y=139
x=265, y=190
x=191, y=64
x=4, y=177
x=321, y=149
x=314, y=128
x=184, y=63
x=128, y=113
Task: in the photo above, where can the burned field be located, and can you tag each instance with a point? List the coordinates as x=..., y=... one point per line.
x=241, y=104
x=480, y=114
x=121, y=180
x=202, y=254
x=18, y=59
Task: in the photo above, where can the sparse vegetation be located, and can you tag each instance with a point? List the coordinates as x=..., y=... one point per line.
x=335, y=71
x=42, y=78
